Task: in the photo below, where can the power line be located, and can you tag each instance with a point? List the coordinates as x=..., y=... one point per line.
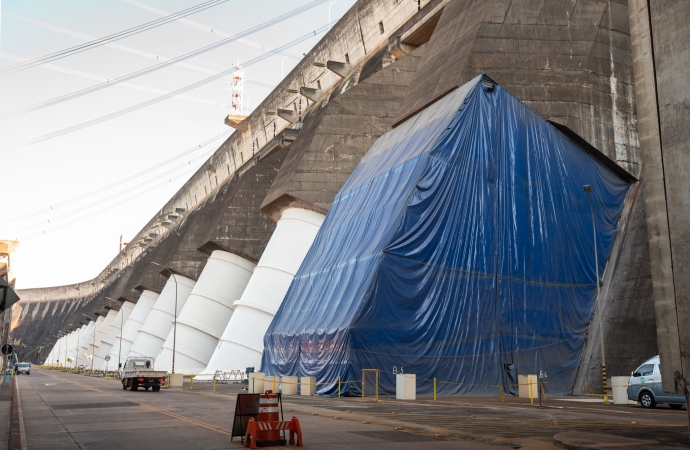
x=116, y=81
x=118, y=194
x=110, y=38
x=79, y=219
x=119, y=182
x=155, y=100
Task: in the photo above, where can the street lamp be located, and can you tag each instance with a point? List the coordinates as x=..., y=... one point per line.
x=175, y=316
x=588, y=189
x=93, y=344
x=122, y=325
x=329, y=14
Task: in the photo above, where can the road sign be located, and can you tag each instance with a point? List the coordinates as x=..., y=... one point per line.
x=107, y=357
x=6, y=349
x=69, y=359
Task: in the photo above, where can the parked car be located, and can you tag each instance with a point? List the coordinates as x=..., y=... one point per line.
x=23, y=367
x=644, y=386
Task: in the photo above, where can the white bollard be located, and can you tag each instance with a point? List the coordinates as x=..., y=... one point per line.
x=256, y=382
x=307, y=386
x=176, y=379
x=528, y=386
x=620, y=390
x=406, y=386
x=289, y=386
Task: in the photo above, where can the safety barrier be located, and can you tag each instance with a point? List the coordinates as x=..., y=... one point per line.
x=254, y=427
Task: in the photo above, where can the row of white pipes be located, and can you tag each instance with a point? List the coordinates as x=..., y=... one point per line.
x=215, y=323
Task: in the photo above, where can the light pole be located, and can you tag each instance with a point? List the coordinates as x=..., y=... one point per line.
x=175, y=316
x=77, y=359
x=93, y=344
x=588, y=190
x=122, y=325
x=329, y=13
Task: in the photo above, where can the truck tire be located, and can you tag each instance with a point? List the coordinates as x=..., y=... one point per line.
x=133, y=386
x=647, y=400
x=124, y=385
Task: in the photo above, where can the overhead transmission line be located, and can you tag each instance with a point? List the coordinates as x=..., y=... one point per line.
x=119, y=194
x=122, y=79
x=106, y=208
x=110, y=38
x=158, y=99
x=119, y=182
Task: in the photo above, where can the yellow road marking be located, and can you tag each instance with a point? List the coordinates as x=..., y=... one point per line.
x=162, y=411
x=153, y=408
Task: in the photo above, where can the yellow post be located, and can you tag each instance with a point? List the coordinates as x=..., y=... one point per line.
x=531, y=397
x=606, y=386
x=275, y=387
x=434, y=389
x=503, y=397
x=338, y=386
x=191, y=382
x=362, y=385
x=214, y=383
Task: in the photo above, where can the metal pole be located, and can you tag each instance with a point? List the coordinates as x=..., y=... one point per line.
x=329, y=14
x=119, y=353
x=588, y=190
x=174, y=322
x=93, y=348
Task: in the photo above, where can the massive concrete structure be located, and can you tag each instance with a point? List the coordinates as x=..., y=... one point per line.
x=662, y=76
x=571, y=62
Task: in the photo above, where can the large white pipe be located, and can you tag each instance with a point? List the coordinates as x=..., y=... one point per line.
x=136, y=320
x=208, y=309
x=60, y=355
x=103, y=329
x=152, y=335
x=50, y=360
x=74, y=346
x=92, y=342
x=110, y=337
x=85, y=340
x=242, y=342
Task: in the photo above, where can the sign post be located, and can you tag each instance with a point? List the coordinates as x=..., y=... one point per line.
x=107, y=358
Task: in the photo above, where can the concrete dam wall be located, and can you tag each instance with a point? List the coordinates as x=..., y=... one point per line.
x=238, y=230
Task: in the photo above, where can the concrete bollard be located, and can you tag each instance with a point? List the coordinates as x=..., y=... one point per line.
x=406, y=386
x=289, y=386
x=307, y=386
x=620, y=390
x=256, y=383
x=176, y=379
x=528, y=386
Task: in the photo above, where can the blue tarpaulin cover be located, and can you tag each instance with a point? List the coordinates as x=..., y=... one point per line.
x=461, y=248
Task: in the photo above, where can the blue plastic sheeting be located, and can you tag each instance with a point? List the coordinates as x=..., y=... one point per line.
x=461, y=249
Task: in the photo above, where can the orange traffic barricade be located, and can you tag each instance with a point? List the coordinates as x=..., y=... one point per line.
x=255, y=428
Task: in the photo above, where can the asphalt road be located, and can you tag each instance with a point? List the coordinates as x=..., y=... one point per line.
x=68, y=411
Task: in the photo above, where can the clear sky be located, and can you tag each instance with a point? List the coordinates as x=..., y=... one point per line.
x=76, y=239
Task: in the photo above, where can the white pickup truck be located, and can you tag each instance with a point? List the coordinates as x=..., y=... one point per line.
x=138, y=372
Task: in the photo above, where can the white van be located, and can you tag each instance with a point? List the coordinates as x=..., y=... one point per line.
x=644, y=386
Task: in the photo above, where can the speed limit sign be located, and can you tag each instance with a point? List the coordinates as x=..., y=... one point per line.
x=107, y=357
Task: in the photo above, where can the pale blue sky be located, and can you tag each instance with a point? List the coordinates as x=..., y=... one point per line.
x=85, y=233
